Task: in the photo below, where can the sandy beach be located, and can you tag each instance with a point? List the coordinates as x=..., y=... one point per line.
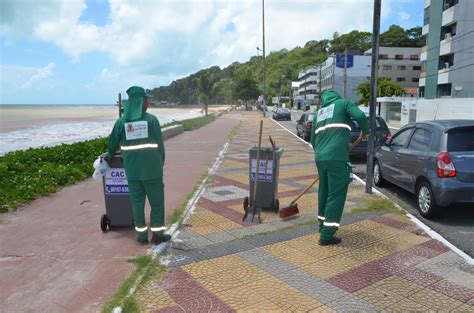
x=23, y=127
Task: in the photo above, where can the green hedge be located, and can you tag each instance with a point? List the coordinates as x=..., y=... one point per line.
x=29, y=174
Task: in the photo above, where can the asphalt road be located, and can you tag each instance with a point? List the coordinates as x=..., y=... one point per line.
x=455, y=223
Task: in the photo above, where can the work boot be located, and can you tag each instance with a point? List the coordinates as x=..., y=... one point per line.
x=332, y=241
x=160, y=237
x=142, y=238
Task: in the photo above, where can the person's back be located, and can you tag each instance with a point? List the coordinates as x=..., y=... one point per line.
x=331, y=127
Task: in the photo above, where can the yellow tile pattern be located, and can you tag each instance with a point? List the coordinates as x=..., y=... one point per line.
x=398, y=286
x=206, y=222
x=435, y=301
x=152, y=297
x=379, y=297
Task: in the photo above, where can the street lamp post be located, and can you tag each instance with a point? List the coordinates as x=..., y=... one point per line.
x=263, y=52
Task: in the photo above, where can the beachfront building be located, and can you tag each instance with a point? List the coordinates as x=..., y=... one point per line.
x=401, y=65
x=447, y=80
x=330, y=75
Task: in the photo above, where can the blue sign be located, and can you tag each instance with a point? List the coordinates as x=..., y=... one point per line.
x=340, y=58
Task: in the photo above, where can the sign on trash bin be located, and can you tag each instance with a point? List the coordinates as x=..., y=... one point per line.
x=116, y=182
x=262, y=174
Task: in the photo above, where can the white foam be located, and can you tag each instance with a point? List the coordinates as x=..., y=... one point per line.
x=54, y=134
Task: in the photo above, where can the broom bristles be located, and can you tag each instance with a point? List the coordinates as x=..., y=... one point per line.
x=289, y=211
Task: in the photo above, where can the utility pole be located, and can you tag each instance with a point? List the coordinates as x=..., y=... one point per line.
x=373, y=95
x=120, y=104
x=320, y=87
x=344, y=92
x=264, y=68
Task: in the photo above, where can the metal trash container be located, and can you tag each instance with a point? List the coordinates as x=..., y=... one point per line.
x=118, y=206
x=267, y=185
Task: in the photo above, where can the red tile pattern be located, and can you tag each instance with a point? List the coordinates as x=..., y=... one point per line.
x=189, y=295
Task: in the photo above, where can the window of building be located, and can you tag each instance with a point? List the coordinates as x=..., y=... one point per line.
x=449, y=3
x=422, y=91
x=401, y=67
x=448, y=31
x=415, y=80
x=426, y=17
x=400, y=79
x=387, y=67
x=417, y=68
x=383, y=56
x=398, y=56
x=414, y=57
x=444, y=90
x=446, y=61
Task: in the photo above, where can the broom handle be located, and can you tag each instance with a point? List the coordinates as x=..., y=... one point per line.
x=258, y=164
x=353, y=145
x=304, y=191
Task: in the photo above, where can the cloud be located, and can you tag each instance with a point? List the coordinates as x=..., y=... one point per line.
x=40, y=74
x=157, y=39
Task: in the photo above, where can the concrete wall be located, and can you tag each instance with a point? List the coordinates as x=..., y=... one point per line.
x=445, y=108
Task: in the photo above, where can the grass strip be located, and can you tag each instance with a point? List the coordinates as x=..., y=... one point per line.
x=194, y=123
x=29, y=174
x=376, y=203
x=147, y=268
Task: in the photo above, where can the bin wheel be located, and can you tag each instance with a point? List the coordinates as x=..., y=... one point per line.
x=104, y=223
x=246, y=203
x=277, y=205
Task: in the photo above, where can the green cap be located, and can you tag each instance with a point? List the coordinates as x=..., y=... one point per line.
x=136, y=91
x=134, y=108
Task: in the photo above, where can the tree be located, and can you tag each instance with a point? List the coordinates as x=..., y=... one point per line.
x=245, y=86
x=385, y=88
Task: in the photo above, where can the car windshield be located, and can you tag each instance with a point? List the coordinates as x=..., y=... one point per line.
x=283, y=111
x=461, y=139
x=378, y=125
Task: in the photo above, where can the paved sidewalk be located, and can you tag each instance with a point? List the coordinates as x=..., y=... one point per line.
x=55, y=258
x=218, y=263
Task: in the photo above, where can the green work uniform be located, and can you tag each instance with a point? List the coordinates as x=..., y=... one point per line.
x=143, y=151
x=330, y=136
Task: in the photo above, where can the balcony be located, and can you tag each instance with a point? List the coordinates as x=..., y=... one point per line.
x=443, y=76
x=424, y=53
x=445, y=45
x=425, y=29
x=448, y=16
x=422, y=82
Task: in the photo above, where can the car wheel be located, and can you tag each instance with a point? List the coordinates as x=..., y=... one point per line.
x=425, y=200
x=379, y=181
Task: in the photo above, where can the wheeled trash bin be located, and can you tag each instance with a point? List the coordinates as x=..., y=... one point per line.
x=118, y=206
x=267, y=184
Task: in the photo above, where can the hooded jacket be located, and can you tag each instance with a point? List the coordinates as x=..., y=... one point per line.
x=331, y=128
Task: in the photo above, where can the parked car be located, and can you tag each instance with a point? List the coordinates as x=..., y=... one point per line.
x=282, y=114
x=303, y=125
x=433, y=159
x=382, y=134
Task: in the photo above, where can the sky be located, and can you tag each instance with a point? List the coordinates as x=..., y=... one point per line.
x=87, y=51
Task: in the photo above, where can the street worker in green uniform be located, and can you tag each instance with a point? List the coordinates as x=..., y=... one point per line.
x=138, y=135
x=330, y=136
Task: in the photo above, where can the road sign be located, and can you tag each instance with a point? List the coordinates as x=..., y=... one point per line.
x=340, y=60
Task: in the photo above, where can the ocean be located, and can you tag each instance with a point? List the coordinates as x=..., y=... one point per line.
x=32, y=126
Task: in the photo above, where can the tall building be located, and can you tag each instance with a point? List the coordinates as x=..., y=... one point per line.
x=448, y=59
x=330, y=76
x=401, y=65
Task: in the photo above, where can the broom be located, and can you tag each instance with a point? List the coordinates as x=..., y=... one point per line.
x=292, y=208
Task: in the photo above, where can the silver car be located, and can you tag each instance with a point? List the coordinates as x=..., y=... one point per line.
x=432, y=159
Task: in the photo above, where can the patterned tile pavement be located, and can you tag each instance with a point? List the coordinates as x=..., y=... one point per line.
x=220, y=264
